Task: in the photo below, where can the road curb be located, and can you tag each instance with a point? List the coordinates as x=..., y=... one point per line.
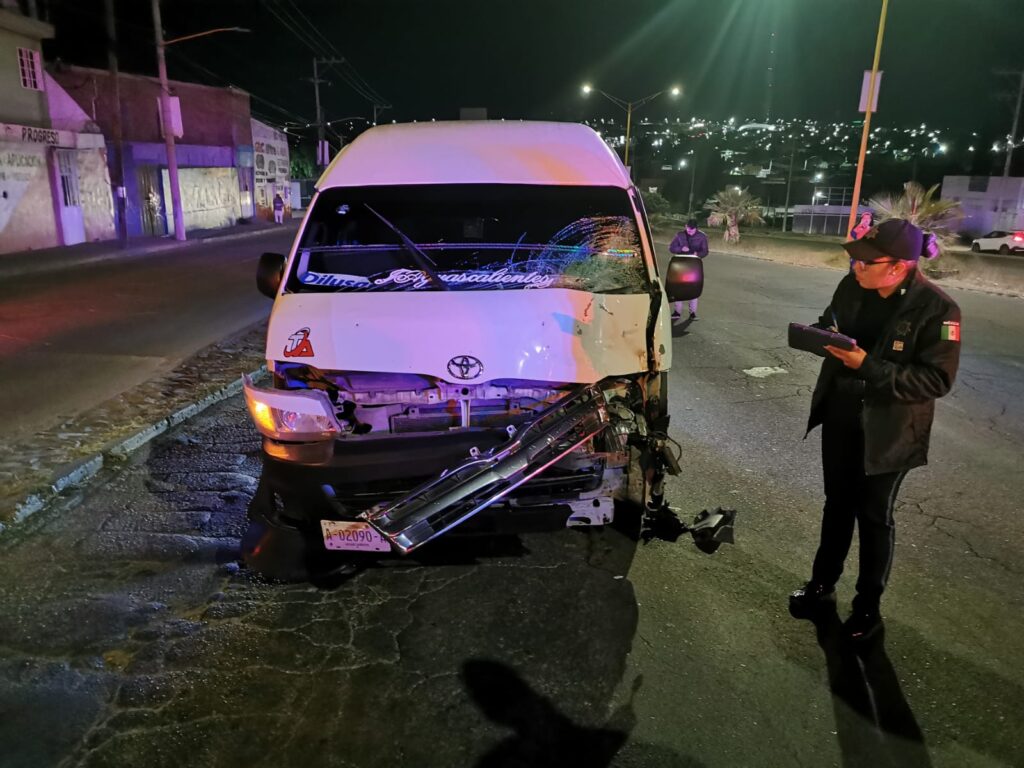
x=77, y=474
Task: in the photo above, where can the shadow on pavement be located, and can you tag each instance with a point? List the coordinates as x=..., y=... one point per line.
x=681, y=328
x=544, y=737
x=874, y=723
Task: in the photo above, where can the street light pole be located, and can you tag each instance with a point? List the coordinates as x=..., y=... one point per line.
x=629, y=123
x=165, y=112
x=789, y=182
x=120, y=196
x=872, y=84
x=693, y=176
x=1012, y=138
x=629, y=106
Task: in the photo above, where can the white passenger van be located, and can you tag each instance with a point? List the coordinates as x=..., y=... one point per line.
x=470, y=330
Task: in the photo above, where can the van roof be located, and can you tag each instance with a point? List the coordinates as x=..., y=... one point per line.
x=477, y=152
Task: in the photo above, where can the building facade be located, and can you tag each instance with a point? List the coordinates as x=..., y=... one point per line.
x=214, y=153
x=988, y=202
x=271, y=167
x=54, y=183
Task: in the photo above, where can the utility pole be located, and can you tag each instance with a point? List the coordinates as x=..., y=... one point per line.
x=165, y=112
x=120, y=195
x=1011, y=139
x=872, y=85
x=321, y=154
x=789, y=183
x=693, y=176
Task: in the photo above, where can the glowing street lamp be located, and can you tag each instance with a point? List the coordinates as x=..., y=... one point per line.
x=629, y=106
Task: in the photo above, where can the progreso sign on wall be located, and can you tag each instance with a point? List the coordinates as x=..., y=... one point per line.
x=28, y=134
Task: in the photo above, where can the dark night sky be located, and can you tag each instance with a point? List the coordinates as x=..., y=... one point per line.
x=528, y=58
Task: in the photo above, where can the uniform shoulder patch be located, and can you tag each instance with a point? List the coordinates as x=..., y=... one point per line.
x=951, y=330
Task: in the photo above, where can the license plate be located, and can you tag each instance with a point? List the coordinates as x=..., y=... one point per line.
x=353, y=536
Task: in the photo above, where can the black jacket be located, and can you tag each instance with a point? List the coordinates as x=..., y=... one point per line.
x=914, y=361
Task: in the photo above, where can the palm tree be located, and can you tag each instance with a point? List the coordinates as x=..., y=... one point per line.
x=920, y=207
x=733, y=206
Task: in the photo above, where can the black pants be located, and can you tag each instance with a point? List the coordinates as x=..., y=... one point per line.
x=854, y=497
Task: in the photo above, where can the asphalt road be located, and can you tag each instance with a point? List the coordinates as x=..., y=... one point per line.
x=129, y=636
x=71, y=339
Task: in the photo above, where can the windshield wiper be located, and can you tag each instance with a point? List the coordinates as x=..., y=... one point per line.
x=423, y=261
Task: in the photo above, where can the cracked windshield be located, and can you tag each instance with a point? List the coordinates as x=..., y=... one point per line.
x=471, y=237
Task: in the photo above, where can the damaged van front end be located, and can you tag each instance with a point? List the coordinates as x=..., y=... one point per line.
x=452, y=349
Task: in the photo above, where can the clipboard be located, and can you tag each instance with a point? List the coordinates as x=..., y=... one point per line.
x=814, y=340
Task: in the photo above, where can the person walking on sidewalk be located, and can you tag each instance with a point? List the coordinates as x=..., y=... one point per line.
x=688, y=242
x=875, y=404
x=278, y=208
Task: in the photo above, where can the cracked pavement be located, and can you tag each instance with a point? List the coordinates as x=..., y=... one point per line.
x=129, y=634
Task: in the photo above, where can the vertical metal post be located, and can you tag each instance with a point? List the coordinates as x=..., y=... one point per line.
x=319, y=118
x=165, y=111
x=789, y=183
x=693, y=176
x=1012, y=138
x=121, y=202
x=867, y=121
x=629, y=121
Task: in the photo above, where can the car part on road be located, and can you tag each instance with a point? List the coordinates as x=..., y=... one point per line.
x=459, y=494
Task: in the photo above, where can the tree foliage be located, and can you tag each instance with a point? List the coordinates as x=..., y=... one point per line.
x=731, y=207
x=920, y=206
x=655, y=203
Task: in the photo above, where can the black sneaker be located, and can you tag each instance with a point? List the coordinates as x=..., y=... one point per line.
x=862, y=625
x=810, y=599
x=693, y=316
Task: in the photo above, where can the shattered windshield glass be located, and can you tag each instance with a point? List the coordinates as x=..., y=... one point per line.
x=470, y=237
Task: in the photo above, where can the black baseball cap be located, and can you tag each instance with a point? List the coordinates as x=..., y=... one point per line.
x=893, y=238
x=691, y=223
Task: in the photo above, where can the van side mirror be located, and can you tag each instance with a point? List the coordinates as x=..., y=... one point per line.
x=269, y=273
x=685, y=278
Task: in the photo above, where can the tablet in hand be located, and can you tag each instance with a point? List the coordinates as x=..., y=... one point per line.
x=811, y=339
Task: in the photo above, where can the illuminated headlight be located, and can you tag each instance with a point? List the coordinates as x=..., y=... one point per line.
x=298, y=416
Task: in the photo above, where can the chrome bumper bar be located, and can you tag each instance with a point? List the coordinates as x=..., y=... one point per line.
x=459, y=493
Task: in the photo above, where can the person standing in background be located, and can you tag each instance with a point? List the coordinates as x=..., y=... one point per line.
x=688, y=242
x=278, y=208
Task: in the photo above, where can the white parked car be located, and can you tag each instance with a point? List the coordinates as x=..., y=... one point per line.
x=471, y=320
x=1000, y=242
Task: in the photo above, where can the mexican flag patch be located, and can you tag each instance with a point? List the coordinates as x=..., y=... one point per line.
x=950, y=330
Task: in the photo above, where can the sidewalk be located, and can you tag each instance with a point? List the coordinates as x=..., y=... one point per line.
x=62, y=257
x=36, y=470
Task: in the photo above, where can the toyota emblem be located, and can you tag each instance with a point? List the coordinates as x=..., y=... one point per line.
x=465, y=367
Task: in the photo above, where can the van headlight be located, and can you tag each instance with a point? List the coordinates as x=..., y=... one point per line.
x=298, y=416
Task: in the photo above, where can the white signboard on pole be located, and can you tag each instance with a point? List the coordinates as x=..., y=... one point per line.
x=864, y=91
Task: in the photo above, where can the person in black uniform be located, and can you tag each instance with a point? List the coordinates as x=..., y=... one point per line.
x=875, y=404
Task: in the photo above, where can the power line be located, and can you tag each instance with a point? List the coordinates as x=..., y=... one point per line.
x=307, y=34
x=200, y=68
